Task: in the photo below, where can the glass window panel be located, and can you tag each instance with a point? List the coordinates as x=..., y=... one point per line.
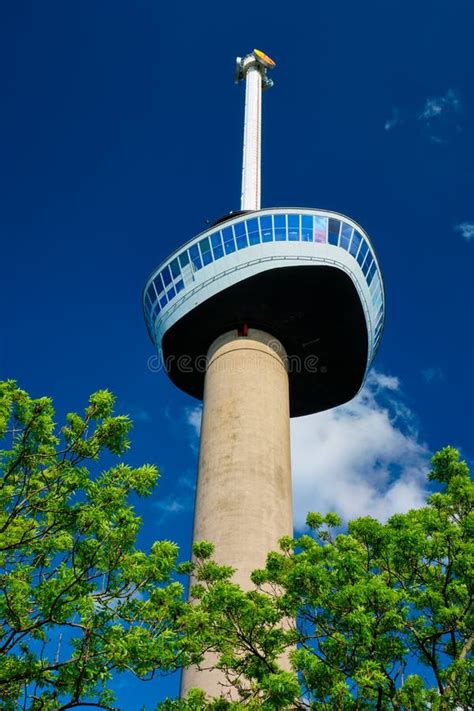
x=320, y=229
x=157, y=308
x=333, y=231
x=158, y=282
x=163, y=301
x=307, y=228
x=376, y=294
x=367, y=264
x=371, y=272
x=253, y=231
x=166, y=275
x=204, y=245
x=184, y=259
x=229, y=242
x=205, y=251
x=267, y=228
x=280, y=227
x=217, y=248
x=216, y=240
x=148, y=300
x=241, y=235
x=179, y=286
x=171, y=293
x=355, y=244
x=375, y=284
x=346, y=234
x=364, y=248
x=175, y=270
x=195, y=256
x=294, y=228
x=378, y=300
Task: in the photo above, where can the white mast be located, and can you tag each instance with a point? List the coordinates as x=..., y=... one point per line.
x=252, y=68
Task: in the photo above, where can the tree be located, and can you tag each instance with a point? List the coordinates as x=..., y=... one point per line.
x=383, y=613
x=379, y=617
x=78, y=600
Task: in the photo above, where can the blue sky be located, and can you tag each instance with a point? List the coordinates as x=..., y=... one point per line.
x=121, y=135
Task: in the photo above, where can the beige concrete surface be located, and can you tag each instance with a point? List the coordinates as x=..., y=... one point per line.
x=243, y=500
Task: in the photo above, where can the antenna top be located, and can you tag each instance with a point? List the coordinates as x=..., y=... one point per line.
x=260, y=61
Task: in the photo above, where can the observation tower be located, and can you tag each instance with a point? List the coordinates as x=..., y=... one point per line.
x=269, y=314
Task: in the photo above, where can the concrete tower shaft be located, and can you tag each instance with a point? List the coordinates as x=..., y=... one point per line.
x=243, y=502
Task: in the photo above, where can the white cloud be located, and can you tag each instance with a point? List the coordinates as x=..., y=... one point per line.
x=382, y=381
x=363, y=458
x=436, y=106
x=138, y=414
x=193, y=417
x=170, y=505
x=466, y=230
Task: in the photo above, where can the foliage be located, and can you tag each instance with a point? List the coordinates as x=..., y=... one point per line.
x=379, y=617
x=78, y=599
x=383, y=613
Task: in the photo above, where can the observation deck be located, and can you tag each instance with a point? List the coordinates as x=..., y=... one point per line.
x=308, y=277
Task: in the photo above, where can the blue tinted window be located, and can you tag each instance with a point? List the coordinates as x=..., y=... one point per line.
x=163, y=301
x=179, y=286
x=148, y=300
x=280, y=227
x=217, y=248
x=241, y=235
x=175, y=270
x=375, y=287
x=184, y=259
x=166, y=275
x=371, y=273
x=375, y=284
x=205, y=251
x=377, y=293
x=364, y=248
x=368, y=263
x=195, y=256
x=229, y=242
x=253, y=231
x=334, y=226
x=157, y=309
x=307, y=228
x=320, y=229
x=345, y=238
x=158, y=284
x=171, y=293
x=267, y=228
x=355, y=244
x=293, y=227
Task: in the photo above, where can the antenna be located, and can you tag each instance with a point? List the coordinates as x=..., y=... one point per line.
x=253, y=68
